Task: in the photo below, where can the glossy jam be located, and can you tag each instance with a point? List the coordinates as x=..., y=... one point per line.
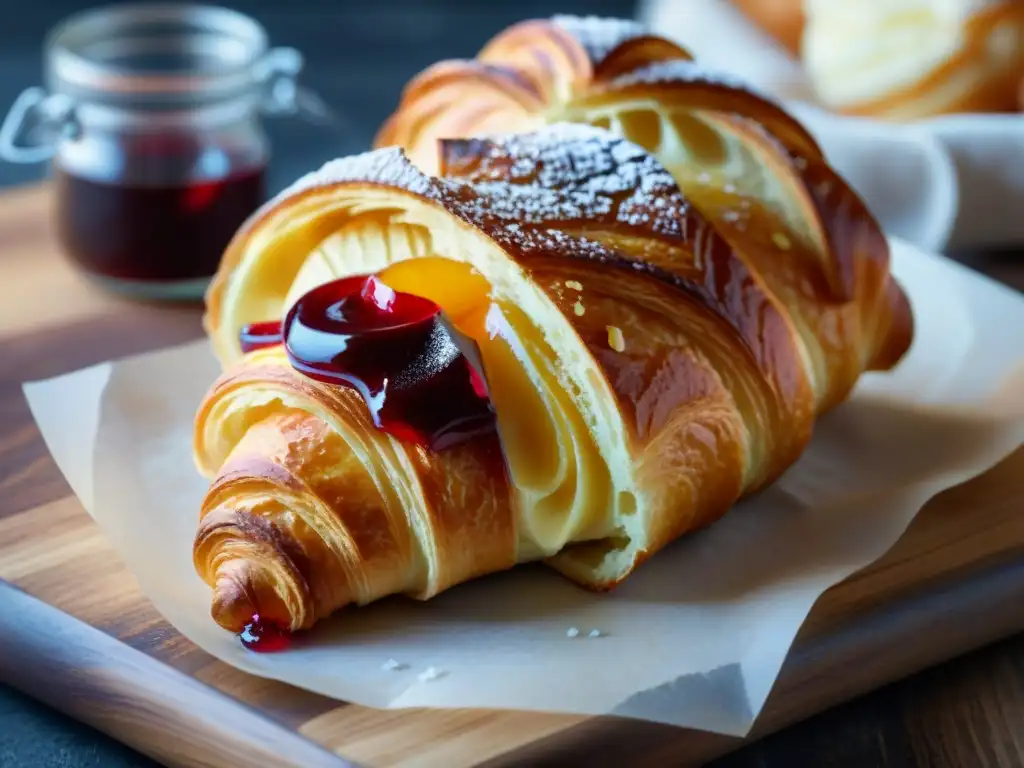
x=264, y=636
x=260, y=335
x=153, y=233
x=410, y=366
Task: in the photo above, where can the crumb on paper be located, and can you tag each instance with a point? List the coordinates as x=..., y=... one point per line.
x=578, y=308
x=781, y=240
x=576, y=285
x=431, y=673
x=393, y=665
x=615, y=338
x=595, y=633
x=572, y=632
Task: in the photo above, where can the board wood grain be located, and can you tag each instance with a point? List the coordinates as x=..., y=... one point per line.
x=86, y=641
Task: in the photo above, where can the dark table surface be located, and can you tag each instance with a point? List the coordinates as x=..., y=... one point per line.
x=969, y=712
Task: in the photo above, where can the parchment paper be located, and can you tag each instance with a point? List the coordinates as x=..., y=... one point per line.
x=696, y=637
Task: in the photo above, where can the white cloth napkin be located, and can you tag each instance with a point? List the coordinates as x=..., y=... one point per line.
x=955, y=181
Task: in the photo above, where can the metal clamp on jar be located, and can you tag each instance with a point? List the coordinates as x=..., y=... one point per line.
x=152, y=118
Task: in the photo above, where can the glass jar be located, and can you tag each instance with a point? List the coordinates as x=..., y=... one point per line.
x=152, y=119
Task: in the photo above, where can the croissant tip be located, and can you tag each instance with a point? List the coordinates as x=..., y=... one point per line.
x=232, y=606
x=900, y=333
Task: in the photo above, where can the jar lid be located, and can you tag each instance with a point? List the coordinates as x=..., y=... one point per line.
x=156, y=54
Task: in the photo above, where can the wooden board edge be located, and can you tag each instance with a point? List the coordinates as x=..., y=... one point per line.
x=136, y=699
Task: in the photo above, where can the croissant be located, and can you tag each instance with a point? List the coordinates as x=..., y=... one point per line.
x=641, y=372
x=915, y=58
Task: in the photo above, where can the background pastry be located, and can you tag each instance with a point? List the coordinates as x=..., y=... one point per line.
x=907, y=59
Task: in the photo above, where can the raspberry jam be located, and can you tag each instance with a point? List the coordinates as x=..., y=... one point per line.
x=420, y=378
x=143, y=233
x=264, y=636
x=260, y=335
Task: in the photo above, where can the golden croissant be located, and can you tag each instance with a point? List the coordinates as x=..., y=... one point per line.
x=643, y=372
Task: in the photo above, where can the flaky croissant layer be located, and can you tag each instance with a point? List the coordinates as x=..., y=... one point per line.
x=650, y=358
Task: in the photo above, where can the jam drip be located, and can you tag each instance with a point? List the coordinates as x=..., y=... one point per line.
x=398, y=352
x=260, y=335
x=264, y=636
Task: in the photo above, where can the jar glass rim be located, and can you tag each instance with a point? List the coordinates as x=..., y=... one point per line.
x=171, y=50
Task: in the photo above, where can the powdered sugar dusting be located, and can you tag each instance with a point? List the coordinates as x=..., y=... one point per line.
x=599, y=36
x=556, y=132
x=388, y=166
x=566, y=173
x=532, y=192
x=684, y=70
x=553, y=242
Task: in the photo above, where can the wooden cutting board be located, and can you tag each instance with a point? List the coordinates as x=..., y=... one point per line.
x=76, y=633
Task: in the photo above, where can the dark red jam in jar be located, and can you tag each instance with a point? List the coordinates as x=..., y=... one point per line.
x=162, y=233
x=264, y=636
x=410, y=366
x=153, y=119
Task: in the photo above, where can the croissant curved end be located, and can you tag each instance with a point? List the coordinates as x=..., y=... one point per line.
x=234, y=603
x=249, y=577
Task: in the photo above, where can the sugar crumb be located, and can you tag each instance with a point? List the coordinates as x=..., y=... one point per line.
x=781, y=240
x=595, y=633
x=576, y=285
x=572, y=632
x=615, y=338
x=578, y=308
x=392, y=665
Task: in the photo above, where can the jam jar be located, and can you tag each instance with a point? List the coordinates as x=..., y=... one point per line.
x=152, y=117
